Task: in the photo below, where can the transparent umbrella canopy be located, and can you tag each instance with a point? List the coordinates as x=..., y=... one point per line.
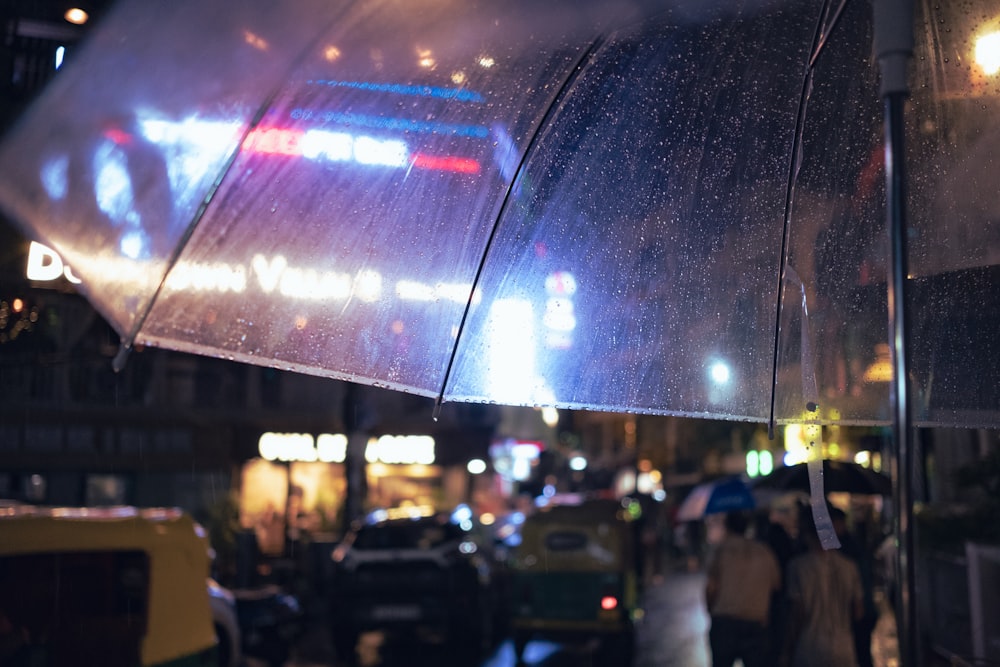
x=664, y=208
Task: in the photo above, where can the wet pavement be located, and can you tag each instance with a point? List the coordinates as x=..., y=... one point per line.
x=673, y=633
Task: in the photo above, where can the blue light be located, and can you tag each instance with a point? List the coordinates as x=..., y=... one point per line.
x=398, y=124
x=133, y=244
x=461, y=514
x=401, y=89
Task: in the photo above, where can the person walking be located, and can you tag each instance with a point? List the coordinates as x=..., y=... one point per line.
x=856, y=549
x=743, y=574
x=825, y=599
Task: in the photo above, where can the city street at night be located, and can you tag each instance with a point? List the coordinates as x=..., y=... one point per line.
x=673, y=633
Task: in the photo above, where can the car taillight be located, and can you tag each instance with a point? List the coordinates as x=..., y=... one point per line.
x=609, y=602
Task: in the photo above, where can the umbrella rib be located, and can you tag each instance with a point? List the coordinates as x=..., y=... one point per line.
x=550, y=111
x=125, y=347
x=823, y=36
x=820, y=38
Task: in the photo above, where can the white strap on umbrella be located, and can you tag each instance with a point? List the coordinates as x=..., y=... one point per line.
x=810, y=392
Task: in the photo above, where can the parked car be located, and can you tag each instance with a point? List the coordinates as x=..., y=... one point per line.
x=573, y=578
x=418, y=575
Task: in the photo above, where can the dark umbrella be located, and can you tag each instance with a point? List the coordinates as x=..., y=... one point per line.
x=838, y=476
x=716, y=497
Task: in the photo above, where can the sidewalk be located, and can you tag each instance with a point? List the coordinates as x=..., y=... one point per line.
x=885, y=644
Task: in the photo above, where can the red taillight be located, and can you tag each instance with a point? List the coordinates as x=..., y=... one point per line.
x=609, y=602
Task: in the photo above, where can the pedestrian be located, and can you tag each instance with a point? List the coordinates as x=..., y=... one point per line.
x=825, y=599
x=743, y=574
x=781, y=533
x=856, y=549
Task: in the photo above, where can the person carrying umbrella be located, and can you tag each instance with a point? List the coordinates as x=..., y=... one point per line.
x=825, y=598
x=743, y=574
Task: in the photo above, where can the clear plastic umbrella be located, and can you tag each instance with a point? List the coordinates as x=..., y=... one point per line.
x=588, y=205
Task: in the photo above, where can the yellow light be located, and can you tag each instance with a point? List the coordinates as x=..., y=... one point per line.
x=17, y=305
x=988, y=53
x=863, y=458
x=880, y=370
x=425, y=58
x=255, y=41
x=486, y=62
x=76, y=16
x=458, y=77
x=331, y=53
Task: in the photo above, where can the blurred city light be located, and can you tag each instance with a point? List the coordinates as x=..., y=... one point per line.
x=988, y=53
x=76, y=16
x=719, y=372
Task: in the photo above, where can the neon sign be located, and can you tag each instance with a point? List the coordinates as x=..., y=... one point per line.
x=397, y=124
x=458, y=94
x=325, y=145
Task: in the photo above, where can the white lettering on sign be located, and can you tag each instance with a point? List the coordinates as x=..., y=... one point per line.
x=44, y=264
x=195, y=277
x=270, y=274
x=401, y=449
x=332, y=448
x=287, y=447
x=268, y=271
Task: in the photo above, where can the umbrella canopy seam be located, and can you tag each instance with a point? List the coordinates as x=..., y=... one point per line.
x=820, y=39
x=550, y=111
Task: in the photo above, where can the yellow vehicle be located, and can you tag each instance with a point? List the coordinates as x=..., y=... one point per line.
x=573, y=578
x=115, y=587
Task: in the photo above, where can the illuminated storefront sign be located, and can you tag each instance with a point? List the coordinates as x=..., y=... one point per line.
x=326, y=448
x=332, y=448
x=44, y=264
x=269, y=275
x=404, y=449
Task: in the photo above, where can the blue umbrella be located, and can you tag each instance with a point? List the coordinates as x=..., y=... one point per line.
x=725, y=495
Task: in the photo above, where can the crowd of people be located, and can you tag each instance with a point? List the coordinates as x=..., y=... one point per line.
x=776, y=596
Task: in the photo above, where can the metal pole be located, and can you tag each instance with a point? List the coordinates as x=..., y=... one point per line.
x=893, y=22
x=904, y=459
